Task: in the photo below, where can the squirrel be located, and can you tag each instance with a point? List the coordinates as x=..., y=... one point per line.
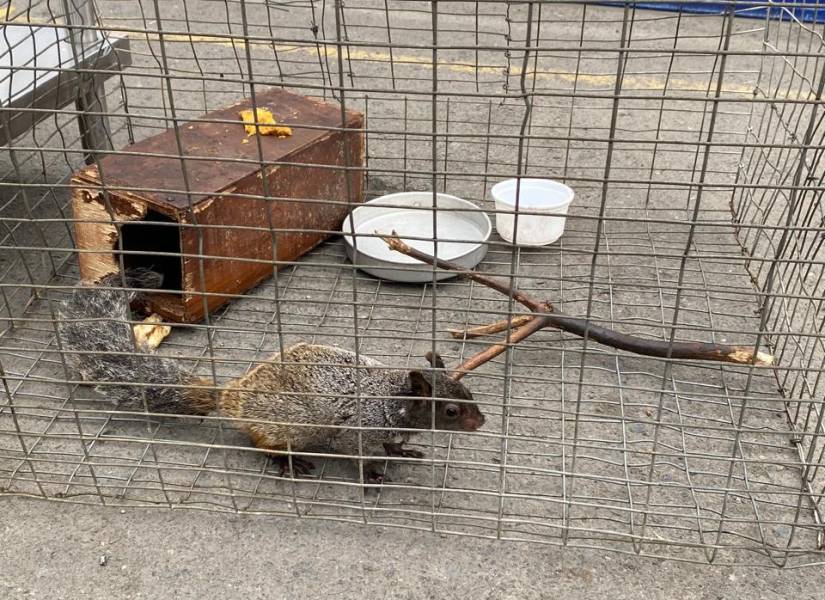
x=307, y=385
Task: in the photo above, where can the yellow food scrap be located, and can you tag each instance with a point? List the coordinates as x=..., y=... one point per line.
x=151, y=333
x=266, y=123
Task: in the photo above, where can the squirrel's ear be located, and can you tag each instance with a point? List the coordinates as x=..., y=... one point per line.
x=434, y=358
x=419, y=384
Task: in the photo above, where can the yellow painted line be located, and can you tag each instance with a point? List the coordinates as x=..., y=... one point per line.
x=11, y=9
x=585, y=80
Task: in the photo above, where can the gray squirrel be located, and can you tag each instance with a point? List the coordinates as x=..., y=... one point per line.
x=308, y=384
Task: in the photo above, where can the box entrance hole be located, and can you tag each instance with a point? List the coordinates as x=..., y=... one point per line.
x=153, y=234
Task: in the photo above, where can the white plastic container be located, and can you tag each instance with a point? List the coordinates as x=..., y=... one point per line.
x=542, y=209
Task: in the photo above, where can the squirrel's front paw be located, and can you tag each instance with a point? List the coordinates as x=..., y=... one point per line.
x=399, y=450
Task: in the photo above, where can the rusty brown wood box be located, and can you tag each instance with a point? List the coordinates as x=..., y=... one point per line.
x=140, y=196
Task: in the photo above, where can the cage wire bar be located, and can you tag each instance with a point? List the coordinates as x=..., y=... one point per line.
x=694, y=145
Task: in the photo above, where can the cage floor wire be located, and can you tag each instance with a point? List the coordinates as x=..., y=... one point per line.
x=654, y=452
x=584, y=445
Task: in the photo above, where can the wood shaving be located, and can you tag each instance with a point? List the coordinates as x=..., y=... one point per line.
x=151, y=333
x=266, y=123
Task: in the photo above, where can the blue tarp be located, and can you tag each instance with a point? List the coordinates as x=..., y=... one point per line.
x=814, y=14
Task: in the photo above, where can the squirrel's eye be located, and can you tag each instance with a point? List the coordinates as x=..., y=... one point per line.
x=451, y=411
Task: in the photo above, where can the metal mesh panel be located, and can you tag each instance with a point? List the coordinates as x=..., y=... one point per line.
x=693, y=144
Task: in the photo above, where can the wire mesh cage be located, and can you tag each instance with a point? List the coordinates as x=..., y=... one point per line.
x=693, y=143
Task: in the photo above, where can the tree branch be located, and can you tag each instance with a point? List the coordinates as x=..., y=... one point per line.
x=395, y=243
x=547, y=317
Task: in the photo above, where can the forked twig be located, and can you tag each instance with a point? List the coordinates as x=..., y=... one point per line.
x=489, y=353
x=498, y=326
x=544, y=315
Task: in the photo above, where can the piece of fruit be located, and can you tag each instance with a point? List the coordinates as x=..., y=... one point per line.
x=266, y=123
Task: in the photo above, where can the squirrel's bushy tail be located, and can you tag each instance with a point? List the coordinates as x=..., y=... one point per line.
x=95, y=324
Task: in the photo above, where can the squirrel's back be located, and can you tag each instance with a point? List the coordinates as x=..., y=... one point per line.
x=313, y=385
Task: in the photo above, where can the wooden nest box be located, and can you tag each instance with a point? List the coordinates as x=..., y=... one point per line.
x=239, y=204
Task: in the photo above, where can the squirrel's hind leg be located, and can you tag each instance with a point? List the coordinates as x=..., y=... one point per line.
x=299, y=467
